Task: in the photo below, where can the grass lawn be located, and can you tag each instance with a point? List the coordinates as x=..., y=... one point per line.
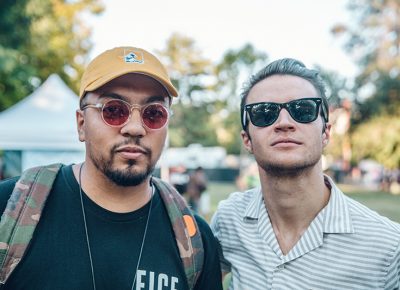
x=384, y=203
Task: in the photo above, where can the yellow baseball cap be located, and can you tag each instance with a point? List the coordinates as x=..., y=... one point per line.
x=122, y=60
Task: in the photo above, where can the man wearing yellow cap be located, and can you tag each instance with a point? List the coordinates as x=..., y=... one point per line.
x=107, y=223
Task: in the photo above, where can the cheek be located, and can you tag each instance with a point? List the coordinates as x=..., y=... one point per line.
x=98, y=138
x=161, y=138
x=259, y=137
x=319, y=140
x=157, y=143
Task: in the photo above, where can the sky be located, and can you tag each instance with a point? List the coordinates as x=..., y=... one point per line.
x=280, y=28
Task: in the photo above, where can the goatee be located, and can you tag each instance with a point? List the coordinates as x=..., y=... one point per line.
x=127, y=176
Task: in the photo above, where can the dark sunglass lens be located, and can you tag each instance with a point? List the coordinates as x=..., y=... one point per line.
x=115, y=113
x=264, y=114
x=155, y=116
x=303, y=111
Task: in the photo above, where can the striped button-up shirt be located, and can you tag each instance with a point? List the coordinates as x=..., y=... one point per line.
x=347, y=246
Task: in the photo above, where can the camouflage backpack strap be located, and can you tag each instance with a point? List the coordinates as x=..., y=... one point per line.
x=187, y=234
x=22, y=214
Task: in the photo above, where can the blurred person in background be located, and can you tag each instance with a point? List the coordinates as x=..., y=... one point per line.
x=196, y=186
x=179, y=178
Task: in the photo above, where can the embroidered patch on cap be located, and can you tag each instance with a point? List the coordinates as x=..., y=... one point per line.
x=133, y=56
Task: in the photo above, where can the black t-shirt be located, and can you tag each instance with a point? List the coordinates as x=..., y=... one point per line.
x=57, y=257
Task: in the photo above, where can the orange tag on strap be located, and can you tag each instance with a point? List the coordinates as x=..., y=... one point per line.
x=190, y=225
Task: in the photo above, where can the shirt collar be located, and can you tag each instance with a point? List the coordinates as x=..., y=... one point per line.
x=256, y=202
x=336, y=214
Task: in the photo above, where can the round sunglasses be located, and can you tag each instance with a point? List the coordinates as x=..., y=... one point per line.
x=266, y=113
x=117, y=113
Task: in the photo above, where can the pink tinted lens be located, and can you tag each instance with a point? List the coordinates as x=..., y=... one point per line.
x=155, y=116
x=115, y=113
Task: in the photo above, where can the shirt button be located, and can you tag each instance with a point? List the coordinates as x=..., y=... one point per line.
x=281, y=267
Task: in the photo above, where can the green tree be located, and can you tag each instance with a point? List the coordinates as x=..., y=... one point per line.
x=339, y=93
x=235, y=67
x=207, y=110
x=384, y=100
x=378, y=139
x=338, y=87
x=38, y=38
x=191, y=74
x=227, y=126
x=373, y=39
x=192, y=124
x=189, y=70
x=14, y=70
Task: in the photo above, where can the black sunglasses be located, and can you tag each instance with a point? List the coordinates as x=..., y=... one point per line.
x=266, y=113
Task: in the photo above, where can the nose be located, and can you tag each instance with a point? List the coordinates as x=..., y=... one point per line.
x=284, y=121
x=134, y=127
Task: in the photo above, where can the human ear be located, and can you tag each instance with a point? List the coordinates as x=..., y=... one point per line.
x=246, y=141
x=326, y=134
x=80, y=123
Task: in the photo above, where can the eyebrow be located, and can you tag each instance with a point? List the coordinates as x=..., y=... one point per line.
x=150, y=99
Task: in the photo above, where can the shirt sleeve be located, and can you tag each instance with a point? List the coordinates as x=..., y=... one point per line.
x=393, y=277
x=225, y=264
x=210, y=277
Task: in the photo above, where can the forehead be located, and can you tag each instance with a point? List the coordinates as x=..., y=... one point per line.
x=133, y=88
x=281, y=88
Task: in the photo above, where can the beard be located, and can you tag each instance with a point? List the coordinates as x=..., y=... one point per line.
x=128, y=176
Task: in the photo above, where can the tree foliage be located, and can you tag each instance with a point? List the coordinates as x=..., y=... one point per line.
x=236, y=66
x=373, y=36
x=188, y=69
x=207, y=110
x=38, y=38
x=14, y=34
x=385, y=99
x=378, y=139
x=373, y=39
x=337, y=87
x=192, y=124
x=189, y=72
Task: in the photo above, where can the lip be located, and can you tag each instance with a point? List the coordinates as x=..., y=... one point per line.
x=131, y=152
x=286, y=142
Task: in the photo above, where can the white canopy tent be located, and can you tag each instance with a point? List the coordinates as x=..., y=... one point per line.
x=41, y=128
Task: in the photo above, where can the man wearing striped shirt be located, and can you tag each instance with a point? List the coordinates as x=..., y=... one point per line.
x=298, y=230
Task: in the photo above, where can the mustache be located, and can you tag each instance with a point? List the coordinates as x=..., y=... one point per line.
x=131, y=141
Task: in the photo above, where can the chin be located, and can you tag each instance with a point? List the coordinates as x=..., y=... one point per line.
x=128, y=173
x=281, y=169
x=129, y=176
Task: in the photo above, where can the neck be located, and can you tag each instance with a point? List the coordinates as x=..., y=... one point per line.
x=109, y=195
x=292, y=203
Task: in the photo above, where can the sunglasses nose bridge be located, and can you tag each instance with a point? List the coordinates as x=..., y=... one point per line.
x=135, y=107
x=287, y=109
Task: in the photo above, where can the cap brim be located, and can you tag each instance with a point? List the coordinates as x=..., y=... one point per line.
x=107, y=78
